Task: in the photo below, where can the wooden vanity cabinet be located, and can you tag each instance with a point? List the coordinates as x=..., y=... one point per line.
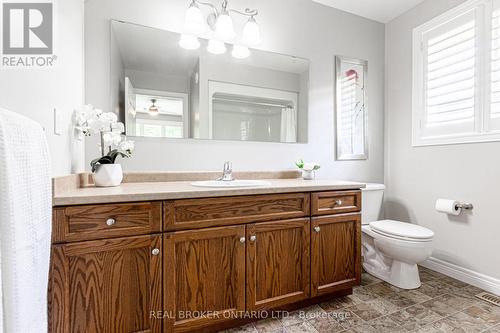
x=277, y=263
x=106, y=285
x=335, y=253
x=194, y=264
x=204, y=277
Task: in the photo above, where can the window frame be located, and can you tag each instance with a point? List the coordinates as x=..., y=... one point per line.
x=481, y=133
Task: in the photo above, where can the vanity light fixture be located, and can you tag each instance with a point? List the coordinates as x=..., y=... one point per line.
x=251, y=33
x=216, y=47
x=189, y=42
x=240, y=52
x=224, y=28
x=220, y=23
x=194, y=22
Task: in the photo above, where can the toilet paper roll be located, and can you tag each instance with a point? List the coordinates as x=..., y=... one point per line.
x=448, y=206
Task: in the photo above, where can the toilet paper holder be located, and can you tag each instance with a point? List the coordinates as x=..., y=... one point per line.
x=464, y=205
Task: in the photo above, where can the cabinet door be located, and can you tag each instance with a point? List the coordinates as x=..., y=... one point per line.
x=204, y=277
x=106, y=285
x=336, y=253
x=277, y=263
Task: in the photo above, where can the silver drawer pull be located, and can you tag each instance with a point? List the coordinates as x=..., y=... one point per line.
x=155, y=252
x=253, y=238
x=338, y=202
x=110, y=222
x=242, y=239
x=317, y=229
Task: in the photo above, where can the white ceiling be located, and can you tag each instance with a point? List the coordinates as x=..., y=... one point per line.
x=378, y=10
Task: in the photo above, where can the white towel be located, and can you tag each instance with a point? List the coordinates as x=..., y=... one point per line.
x=25, y=224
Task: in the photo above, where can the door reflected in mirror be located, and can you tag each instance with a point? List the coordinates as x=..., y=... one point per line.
x=165, y=91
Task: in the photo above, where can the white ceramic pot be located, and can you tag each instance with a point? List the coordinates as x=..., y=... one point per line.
x=307, y=174
x=107, y=175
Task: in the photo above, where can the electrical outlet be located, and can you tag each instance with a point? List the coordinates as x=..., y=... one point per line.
x=57, y=122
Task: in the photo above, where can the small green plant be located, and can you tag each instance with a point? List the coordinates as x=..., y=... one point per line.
x=311, y=166
x=109, y=158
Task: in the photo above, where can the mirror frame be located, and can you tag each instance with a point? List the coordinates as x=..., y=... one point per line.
x=339, y=60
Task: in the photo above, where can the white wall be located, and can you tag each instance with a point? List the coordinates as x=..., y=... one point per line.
x=296, y=27
x=36, y=92
x=416, y=177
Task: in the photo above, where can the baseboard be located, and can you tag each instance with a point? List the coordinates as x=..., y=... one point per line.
x=479, y=280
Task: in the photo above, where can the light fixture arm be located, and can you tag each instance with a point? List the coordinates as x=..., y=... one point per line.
x=248, y=12
x=208, y=4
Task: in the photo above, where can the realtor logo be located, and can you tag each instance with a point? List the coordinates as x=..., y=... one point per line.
x=27, y=30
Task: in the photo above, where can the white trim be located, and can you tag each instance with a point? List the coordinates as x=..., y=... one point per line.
x=481, y=132
x=466, y=275
x=456, y=139
x=449, y=15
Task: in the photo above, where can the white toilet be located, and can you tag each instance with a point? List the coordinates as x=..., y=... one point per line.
x=391, y=249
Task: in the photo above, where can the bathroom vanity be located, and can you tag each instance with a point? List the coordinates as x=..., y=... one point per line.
x=169, y=257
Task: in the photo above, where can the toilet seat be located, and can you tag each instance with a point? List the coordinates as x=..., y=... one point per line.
x=402, y=230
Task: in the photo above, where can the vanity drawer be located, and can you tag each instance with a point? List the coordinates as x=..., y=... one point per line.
x=209, y=212
x=88, y=222
x=327, y=203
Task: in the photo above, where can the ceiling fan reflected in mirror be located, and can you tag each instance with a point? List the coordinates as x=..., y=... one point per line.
x=153, y=109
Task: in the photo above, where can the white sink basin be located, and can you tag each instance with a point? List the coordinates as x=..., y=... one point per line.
x=232, y=183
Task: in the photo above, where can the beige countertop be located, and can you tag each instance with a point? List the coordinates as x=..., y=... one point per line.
x=146, y=191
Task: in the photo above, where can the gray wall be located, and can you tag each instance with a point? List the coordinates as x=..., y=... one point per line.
x=296, y=27
x=417, y=176
x=36, y=92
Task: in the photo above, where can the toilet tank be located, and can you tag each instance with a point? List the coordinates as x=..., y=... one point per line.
x=371, y=202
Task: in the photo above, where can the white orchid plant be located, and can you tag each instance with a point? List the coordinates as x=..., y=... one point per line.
x=312, y=166
x=90, y=120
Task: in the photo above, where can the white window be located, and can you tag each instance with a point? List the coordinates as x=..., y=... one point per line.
x=456, y=76
x=158, y=128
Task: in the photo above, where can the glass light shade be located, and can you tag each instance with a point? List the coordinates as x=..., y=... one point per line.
x=153, y=110
x=216, y=47
x=251, y=33
x=194, y=22
x=224, y=29
x=240, y=52
x=189, y=42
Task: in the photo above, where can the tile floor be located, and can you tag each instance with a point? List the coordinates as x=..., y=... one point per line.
x=441, y=304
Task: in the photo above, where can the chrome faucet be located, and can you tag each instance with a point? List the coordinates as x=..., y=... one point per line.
x=227, y=173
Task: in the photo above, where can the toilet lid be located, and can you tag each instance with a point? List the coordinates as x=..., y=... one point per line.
x=402, y=229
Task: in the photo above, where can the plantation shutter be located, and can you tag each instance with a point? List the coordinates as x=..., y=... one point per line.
x=495, y=68
x=450, y=74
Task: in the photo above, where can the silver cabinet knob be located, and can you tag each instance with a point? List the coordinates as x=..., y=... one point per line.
x=155, y=252
x=242, y=239
x=338, y=202
x=110, y=222
x=317, y=228
x=253, y=238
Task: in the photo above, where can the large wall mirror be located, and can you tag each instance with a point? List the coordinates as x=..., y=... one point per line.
x=163, y=90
